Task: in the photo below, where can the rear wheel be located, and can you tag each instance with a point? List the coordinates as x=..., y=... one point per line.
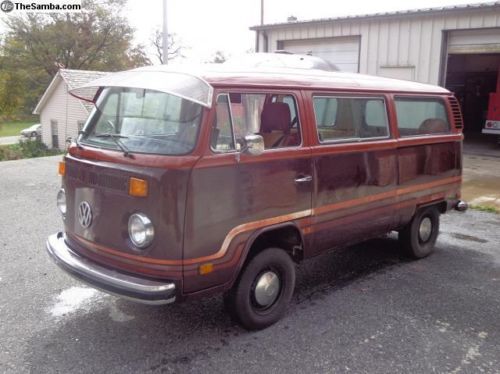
x=34, y=134
x=263, y=290
x=419, y=236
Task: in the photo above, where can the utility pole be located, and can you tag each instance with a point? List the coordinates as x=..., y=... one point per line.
x=257, y=33
x=165, y=34
x=261, y=12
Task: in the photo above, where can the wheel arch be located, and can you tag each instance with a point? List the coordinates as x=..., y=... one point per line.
x=286, y=236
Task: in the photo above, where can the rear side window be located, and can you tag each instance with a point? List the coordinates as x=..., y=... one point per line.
x=350, y=118
x=418, y=116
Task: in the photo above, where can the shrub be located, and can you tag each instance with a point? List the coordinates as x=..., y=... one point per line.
x=26, y=149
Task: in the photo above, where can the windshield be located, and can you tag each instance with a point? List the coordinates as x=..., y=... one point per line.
x=143, y=121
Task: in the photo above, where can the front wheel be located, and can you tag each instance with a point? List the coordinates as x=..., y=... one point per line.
x=419, y=236
x=263, y=290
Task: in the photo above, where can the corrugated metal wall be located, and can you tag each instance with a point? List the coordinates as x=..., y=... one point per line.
x=405, y=46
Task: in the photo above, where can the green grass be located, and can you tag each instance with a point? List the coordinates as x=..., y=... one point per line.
x=14, y=128
x=485, y=208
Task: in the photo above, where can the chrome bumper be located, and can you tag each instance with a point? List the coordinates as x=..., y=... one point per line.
x=138, y=289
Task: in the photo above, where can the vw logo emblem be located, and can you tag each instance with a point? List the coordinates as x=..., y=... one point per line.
x=84, y=214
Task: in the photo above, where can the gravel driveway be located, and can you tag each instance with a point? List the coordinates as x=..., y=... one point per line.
x=364, y=309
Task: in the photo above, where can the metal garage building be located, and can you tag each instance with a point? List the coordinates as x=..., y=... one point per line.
x=456, y=47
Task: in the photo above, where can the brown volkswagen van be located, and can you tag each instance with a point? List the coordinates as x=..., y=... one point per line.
x=189, y=183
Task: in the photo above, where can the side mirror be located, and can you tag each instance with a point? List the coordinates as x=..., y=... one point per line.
x=253, y=145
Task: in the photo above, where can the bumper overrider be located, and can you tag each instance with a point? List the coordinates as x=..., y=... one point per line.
x=138, y=289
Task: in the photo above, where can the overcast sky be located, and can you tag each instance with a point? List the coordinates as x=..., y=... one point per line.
x=207, y=26
x=204, y=27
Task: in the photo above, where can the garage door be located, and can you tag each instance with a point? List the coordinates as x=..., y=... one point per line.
x=474, y=41
x=342, y=51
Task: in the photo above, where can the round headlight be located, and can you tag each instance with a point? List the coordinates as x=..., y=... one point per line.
x=140, y=230
x=61, y=201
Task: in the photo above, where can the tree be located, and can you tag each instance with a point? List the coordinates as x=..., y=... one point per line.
x=219, y=57
x=174, y=48
x=37, y=45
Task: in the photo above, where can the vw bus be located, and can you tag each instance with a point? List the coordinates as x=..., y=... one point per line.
x=188, y=183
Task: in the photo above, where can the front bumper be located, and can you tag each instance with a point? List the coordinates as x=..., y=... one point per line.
x=138, y=289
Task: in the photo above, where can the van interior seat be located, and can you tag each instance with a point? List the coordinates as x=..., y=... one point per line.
x=433, y=125
x=275, y=122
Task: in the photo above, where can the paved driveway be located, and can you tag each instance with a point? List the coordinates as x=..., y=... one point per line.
x=6, y=140
x=362, y=310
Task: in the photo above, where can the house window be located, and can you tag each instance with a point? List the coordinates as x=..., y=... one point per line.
x=54, y=130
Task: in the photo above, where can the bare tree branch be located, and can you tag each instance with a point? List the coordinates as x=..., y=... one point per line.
x=174, y=48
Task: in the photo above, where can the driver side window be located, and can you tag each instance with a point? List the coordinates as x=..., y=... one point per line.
x=272, y=116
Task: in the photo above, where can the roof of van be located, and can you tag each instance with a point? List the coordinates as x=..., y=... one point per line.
x=220, y=75
x=196, y=83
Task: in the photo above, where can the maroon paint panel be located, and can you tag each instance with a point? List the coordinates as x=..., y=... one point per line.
x=349, y=176
x=104, y=186
x=231, y=193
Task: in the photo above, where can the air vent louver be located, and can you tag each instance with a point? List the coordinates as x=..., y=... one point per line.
x=457, y=113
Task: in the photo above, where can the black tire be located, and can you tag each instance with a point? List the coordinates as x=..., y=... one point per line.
x=241, y=301
x=34, y=134
x=410, y=238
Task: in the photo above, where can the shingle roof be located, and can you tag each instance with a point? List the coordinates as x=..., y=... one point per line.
x=77, y=78
x=73, y=79
x=411, y=12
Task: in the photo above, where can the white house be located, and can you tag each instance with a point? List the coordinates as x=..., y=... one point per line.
x=61, y=114
x=457, y=47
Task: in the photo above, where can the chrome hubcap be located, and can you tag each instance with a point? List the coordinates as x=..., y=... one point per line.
x=267, y=288
x=425, y=229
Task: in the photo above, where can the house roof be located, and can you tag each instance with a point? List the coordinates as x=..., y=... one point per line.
x=413, y=12
x=72, y=78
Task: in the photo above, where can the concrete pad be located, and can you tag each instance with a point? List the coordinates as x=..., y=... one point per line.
x=481, y=181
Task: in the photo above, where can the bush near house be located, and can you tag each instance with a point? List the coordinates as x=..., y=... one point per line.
x=26, y=149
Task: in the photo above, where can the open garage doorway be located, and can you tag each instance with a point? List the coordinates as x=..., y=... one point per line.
x=472, y=77
x=471, y=67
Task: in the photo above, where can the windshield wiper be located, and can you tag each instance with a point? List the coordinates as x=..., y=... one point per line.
x=116, y=138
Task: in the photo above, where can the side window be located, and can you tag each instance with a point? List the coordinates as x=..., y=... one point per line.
x=348, y=118
x=418, y=116
x=325, y=110
x=272, y=116
x=375, y=122
x=222, y=134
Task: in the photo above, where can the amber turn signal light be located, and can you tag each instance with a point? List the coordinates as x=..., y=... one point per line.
x=62, y=168
x=206, y=268
x=137, y=187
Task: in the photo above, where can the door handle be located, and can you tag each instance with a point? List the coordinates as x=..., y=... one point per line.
x=304, y=179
